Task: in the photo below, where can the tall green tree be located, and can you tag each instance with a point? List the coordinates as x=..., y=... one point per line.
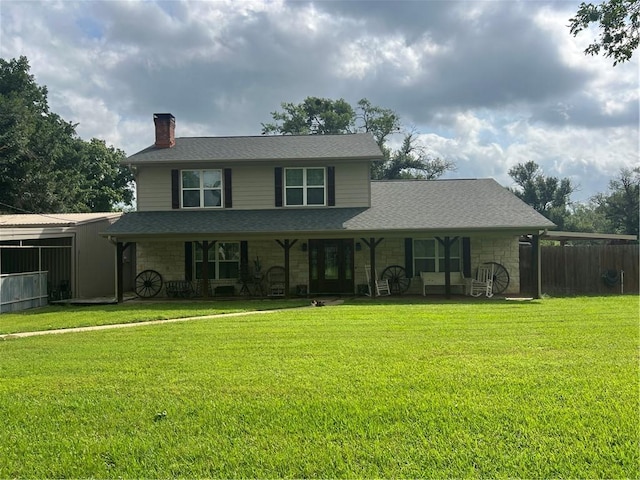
x=549, y=196
x=618, y=22
x=621, y=205
x=325, y=116
x=410, y=160
x=44, y=166
x=313, y=116
x=586, y=217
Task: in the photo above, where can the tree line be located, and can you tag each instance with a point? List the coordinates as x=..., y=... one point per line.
x=46, y=168
x=615, y=211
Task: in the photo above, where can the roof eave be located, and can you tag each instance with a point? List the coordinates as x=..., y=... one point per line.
x=333, y=233
x=226, y=161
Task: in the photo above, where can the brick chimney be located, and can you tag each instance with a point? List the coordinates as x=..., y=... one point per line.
x=165, y=130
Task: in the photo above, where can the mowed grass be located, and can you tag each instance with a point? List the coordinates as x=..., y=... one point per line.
x=55, y=317
x=441, y=389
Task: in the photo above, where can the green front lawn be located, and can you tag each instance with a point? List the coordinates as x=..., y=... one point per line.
x=432, y=389
x=69, y=316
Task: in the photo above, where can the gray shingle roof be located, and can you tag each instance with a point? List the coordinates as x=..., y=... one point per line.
x=267, y=147
x=400, y=206
x=450, y=204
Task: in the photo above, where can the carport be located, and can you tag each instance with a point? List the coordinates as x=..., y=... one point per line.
x=79, y=262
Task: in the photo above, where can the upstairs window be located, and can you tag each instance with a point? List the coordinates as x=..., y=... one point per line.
x=428, y=255
x=304, y=186
x=201, y=188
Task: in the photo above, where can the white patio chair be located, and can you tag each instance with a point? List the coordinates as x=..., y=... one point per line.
x=483, y=283
x=276, y=282
x=382, y=286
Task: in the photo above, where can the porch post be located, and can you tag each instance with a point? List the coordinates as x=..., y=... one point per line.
x=286, y=244
x=286, y=247
x=205, y=268
x=119, y=272
x=120, y=248
x=447, y=268
x=372, y=243
x=537, y=266
x=446, y=243
x=372, y=262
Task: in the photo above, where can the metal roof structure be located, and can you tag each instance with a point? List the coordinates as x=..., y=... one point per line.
x=565, y=236
x=42, y=220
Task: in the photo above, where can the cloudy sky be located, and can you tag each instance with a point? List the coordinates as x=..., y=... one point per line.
x=487, y=84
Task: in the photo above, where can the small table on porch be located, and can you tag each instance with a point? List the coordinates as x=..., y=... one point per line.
x=252, y=285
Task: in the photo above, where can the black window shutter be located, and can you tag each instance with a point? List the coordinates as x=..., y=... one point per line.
x=175, y=188
x=188, y=261
x=278, y=182
x=466, y=257
x=331, y=186
x=244, y=258
x=228, y=196
x=408, y=257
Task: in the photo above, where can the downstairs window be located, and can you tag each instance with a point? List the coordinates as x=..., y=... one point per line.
x=428, y=255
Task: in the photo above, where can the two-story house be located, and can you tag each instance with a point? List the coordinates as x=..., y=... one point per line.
x=218, y=208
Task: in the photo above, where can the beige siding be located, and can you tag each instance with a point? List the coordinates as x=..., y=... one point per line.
x=352, y=185
x=153, y=188
x=95, y=262
x=253, y=186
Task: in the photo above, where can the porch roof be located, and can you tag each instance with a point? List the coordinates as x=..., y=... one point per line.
x=456, y=206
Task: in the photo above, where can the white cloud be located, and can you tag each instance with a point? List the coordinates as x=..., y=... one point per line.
x=489, y=84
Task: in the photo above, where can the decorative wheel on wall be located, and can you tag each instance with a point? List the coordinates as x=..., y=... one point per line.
x=148, y=283
x=398, y=280
x=500, y=277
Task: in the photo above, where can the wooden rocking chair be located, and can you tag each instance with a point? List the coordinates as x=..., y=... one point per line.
x=483, y=283
x=382, y=286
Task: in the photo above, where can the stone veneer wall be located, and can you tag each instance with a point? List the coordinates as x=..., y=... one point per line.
x=271, y=254
x=167, y=258
x=503, y=250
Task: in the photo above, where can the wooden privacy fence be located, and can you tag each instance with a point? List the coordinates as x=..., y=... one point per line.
x=577, y=270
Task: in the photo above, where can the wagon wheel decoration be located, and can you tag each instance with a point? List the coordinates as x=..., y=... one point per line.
x=500, y=277
x=148, y=284
x=398, y=280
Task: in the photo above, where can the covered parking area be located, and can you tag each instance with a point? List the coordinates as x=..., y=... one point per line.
x=78, y=262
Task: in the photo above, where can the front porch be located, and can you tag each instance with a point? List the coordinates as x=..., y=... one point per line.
x=308, y=266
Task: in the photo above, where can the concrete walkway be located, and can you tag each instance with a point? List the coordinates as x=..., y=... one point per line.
x=8, y=336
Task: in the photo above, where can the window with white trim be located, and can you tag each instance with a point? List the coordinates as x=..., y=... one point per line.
x=224, y=260
x=201, y=188
x=428, y=255
x=304, y=186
